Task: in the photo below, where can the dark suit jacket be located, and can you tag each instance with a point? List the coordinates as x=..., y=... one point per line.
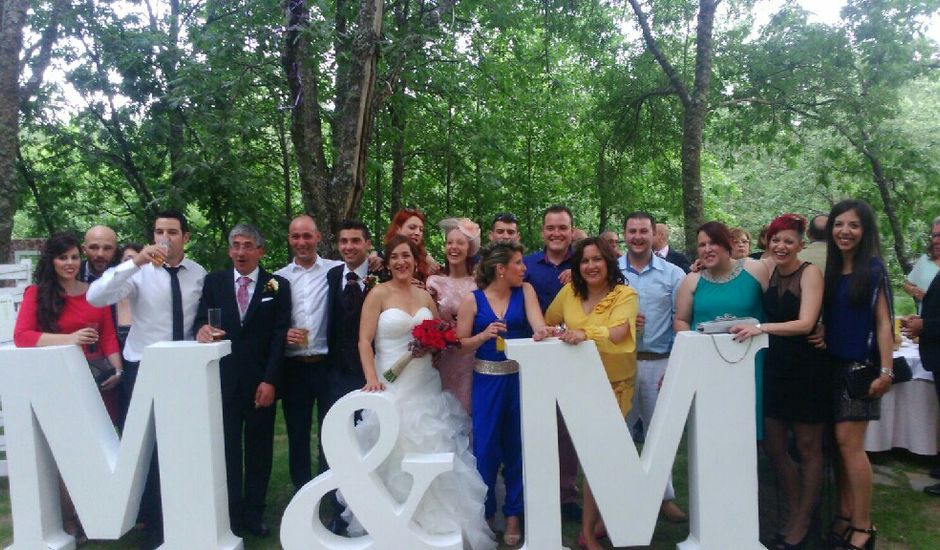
x=343, y=328
x=930, y=335
x=258, y=342
x=678, y=258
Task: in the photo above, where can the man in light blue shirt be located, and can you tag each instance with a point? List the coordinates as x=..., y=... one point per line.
x=656, y=282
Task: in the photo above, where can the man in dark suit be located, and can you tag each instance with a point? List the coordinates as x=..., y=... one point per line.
x=348, y=285
x=256, y=314
x=662, y=249
x=927, y=327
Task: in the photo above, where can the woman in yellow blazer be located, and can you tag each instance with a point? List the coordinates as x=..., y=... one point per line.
x=597, y=305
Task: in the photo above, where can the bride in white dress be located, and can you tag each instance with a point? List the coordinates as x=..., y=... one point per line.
x=432, y=421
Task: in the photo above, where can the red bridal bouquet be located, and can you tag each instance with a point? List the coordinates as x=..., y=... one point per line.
x=432, y=335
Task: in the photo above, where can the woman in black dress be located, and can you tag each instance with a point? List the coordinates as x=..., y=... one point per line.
x=797, y=375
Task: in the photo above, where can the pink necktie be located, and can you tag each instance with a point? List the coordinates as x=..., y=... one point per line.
x=241, y=296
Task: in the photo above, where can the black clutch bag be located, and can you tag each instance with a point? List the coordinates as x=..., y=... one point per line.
x=858, y=378
x=101, y=369
x=902, y=371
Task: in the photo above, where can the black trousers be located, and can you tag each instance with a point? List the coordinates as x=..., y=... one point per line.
x=151, y=507
x=303, y=387
x=248, y=465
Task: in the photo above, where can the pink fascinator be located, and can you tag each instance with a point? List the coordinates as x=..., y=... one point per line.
x=466, y=226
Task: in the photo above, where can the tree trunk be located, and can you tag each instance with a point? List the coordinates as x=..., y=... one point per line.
x=692, y=204
x=601, y=182
x=354, y=123
x=449, y=163
x=878, y=175
x=41, y=205
x=695, y=107
x=12, y=22
x=396, y=108
x=300, y=65
x=377, y=201
x=285, y=167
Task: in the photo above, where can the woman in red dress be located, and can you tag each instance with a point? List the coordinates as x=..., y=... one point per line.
x=55, y=313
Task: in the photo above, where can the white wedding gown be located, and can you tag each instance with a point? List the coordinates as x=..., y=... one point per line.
x=432, y=421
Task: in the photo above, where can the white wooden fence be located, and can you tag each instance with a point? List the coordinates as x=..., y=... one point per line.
x=10, y=299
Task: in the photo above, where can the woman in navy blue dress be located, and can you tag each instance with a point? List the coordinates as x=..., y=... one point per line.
x=858, y=328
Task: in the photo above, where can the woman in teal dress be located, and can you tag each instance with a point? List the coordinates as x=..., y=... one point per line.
x=723, y=287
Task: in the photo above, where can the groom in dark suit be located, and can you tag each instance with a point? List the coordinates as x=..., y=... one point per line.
x=348, y=285
x=256, y=313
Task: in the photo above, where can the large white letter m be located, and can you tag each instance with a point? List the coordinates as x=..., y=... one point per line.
x=55, y=421
x=709, y=381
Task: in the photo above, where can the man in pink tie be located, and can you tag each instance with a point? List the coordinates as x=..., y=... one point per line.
x=256, y=314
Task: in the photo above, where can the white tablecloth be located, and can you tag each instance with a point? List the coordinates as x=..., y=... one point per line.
x=910, y=415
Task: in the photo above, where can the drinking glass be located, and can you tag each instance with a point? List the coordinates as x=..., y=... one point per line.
x=215, y=322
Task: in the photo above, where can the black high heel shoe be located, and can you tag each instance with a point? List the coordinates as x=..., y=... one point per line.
x=835, y=538
x=782, y=544
x=869, y=544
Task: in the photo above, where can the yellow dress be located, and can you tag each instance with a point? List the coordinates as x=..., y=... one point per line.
x=618, y=307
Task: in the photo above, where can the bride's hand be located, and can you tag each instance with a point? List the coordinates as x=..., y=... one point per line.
x=373, y=386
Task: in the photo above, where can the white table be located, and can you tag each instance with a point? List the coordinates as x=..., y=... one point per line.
x=910, y=415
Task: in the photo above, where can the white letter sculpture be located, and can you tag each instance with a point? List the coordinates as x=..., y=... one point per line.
x=710, y=379
x=55, y=421
x=352, y=470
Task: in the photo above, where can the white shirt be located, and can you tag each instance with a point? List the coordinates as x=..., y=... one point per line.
x=148, y=290
x=662, y=252
x=309, y=303
x=253, y=279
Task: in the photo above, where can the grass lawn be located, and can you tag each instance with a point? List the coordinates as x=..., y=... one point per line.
x=906, y=518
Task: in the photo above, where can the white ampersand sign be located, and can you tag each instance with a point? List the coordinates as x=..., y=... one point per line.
x=352, y=470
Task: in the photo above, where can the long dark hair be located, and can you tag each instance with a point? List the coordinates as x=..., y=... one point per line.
x=50, y=296
x=860, y=281
x=614, y=276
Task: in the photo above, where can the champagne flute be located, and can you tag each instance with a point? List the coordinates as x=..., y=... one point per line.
x=92, y=348
x=500, y=341
x=215, y=322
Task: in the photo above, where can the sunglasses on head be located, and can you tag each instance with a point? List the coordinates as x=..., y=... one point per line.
x=505, y=217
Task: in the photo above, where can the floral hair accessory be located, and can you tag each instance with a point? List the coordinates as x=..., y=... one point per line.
x=468, y=227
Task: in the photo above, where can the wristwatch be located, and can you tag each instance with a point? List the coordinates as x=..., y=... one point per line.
x=888, y=372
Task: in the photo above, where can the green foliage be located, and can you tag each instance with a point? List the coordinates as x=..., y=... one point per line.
x=506, y=107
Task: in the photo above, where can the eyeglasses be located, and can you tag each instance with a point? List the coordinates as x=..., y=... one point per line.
x=934, y=235
x=505, y=217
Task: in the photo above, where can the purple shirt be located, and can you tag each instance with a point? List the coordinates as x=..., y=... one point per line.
x=543, y=276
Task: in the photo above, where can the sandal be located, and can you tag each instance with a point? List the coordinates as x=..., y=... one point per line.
x=869, y=544
x=836, y=538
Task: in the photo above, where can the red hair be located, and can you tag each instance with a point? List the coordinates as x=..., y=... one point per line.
x=398, y=220
x=784, y=222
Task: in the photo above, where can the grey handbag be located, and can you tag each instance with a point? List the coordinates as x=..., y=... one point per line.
x=723, y=324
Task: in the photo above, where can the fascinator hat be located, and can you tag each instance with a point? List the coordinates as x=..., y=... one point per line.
x=466, y=226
